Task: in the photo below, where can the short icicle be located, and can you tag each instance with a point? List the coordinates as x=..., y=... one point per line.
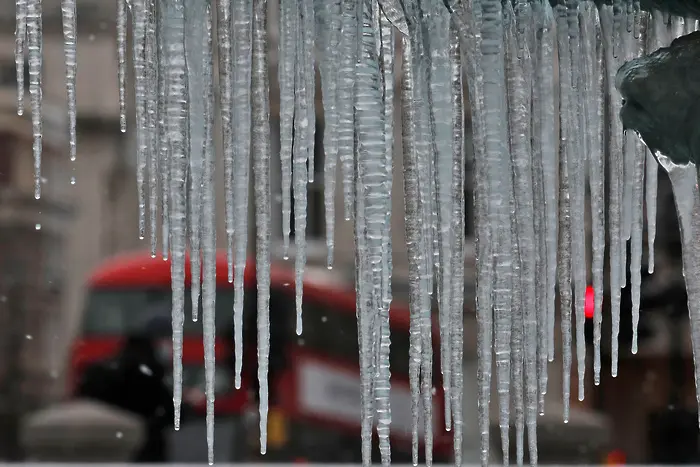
x=121, y=60
x=35, y=45
x=289, y=19
x=20, y=39
x=68, y=10
x=224, y=34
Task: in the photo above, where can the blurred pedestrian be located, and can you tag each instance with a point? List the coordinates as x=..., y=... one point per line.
x=135, y=381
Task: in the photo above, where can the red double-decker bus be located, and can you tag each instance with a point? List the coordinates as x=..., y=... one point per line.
x=315, y=383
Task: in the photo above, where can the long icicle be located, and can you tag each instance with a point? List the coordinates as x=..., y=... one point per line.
x=458, y=215
x=412, y=226
x=498, y=159
x=260, y=149
x=196, y=55
x=329, y=17
x=177, y=128
x=152, y=149
x=440, y=93
x=139, y=17
x=524, y=196
x=614, y=198
x=346, y=87
x=595, y=91
x=516, y=105
x=208, y=232
x=163, y=143
x=242, y=132
x=575, y=159
x=565, y=152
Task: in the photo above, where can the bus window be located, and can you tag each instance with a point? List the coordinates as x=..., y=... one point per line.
x=113, y=312
x=333, y=332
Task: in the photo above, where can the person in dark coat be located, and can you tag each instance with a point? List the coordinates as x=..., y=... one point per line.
x=134, y=382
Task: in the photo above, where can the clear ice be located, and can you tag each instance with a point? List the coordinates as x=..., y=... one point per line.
x=532, y=164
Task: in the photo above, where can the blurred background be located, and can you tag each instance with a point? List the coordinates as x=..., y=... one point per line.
x=81, y=300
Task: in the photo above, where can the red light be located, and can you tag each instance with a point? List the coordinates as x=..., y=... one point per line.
x=616, y=457
x=590, y=302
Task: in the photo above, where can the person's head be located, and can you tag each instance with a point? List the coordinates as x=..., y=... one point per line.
x=138, y=347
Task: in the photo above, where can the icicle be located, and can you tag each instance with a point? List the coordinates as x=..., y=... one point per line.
x=652, y=171
x=519, y=71
x=196, y=41
x=515, y=94
x=412, y=226
x=370, y=218
x=637, y=231
x=307, y=26
x=549, y=162
x=576, y=158
x=616, y=169
x=595, y=101
x=442, y=128
x=469, y=18
x=35, y=44
x=242, y=23
x=329, y=16
x=300, y=168
x=457, y=258
x=208, y=228
x=139, y=19
x=69, y=45
x=152, y=123
x=260, y=149
x=544, y=179
x=425, y=144
x=386, y=33
x=289, y=24
x=163, y=143
x=392, y=10
x=499, y=173
x=365, y=329
x=121, y=61
x=637, y=205
x=655, y=40
x=346, y=85
x=382, y=384
x=566, y=153
x=20, y=37
x=174, y=24
x=224, y=26
x=684, y=180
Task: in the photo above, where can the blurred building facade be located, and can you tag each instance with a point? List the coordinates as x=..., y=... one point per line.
x=47, y=247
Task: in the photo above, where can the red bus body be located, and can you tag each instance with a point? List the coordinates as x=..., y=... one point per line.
x=138, y=271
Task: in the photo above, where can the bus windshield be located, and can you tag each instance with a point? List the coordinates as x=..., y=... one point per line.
x=114, y=312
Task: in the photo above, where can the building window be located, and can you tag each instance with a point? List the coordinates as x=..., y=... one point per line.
x=315, y=207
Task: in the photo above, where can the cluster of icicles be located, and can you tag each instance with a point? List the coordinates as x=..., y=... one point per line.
x=531, y=159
